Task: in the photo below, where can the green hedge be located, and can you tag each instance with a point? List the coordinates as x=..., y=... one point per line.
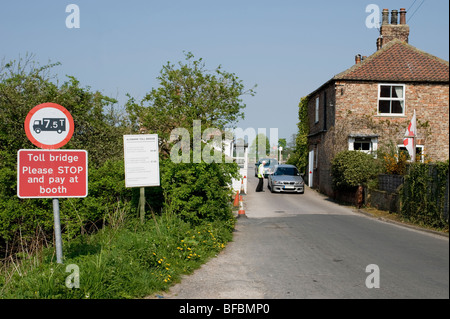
x=425, y=192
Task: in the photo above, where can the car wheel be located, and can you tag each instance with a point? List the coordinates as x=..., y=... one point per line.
x=271, y=188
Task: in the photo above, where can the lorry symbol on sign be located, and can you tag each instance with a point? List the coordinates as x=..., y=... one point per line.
x=50, y=124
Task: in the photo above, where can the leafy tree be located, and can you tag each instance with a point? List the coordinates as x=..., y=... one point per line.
x=260, y=146
x=186, y=93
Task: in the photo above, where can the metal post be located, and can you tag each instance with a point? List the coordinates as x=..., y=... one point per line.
x=142, y=203
x=58, y=239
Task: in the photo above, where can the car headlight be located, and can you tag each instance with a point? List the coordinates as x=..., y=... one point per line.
x=278, y=183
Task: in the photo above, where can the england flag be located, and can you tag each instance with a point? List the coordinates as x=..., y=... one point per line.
x=410, y=134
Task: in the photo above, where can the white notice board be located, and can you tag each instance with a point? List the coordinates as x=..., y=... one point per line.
x=141, y=160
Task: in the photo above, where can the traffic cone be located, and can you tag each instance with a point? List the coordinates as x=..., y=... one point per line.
x=241, y=212
x=242, y=186
x=236, y=200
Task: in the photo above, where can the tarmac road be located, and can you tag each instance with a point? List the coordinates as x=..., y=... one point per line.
x=306, y=246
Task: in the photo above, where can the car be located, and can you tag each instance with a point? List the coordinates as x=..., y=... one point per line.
x=286, y=178
x=268, y=168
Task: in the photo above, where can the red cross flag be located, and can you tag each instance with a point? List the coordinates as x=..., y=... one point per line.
x=410, y=135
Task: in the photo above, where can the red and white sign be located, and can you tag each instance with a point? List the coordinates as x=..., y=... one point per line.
x=52, y=173
x=49, y=126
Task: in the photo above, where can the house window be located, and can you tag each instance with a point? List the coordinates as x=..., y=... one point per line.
x=420, y=155
x=391, y=99
x=364, y=144
x=317, y=110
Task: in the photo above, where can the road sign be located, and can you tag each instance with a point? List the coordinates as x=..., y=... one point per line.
x=52, y=173
x=141, y=160
x=49, y=126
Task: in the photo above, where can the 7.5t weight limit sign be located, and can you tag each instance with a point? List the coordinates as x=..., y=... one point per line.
x=49, y=126
x=52, y=173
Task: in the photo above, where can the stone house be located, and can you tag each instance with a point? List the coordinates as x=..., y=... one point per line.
x=369, y=106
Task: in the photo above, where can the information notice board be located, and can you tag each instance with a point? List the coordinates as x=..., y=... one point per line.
x=141, y=160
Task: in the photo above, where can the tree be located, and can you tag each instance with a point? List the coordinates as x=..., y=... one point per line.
x=190, y=99
x=189, y=93
x=260, y=146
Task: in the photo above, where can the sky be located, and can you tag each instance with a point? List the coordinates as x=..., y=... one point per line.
x=288, y=48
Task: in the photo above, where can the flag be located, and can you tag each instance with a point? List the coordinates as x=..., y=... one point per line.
x=411, y=131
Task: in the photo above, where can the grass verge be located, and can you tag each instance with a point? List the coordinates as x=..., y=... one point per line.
x=130, y=261
x=398, y=218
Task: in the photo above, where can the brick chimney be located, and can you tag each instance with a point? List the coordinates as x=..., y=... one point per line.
x=394, y=29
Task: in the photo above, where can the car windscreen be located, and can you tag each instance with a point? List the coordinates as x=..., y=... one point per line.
x=271, y=162
x=286, y=171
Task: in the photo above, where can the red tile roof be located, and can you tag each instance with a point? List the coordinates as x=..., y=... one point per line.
x=398, y=61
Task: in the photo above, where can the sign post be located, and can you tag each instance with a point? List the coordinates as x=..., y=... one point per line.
x=141, y=164
x=51, y=173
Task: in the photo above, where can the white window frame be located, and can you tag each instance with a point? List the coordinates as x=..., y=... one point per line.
x=421, y=147
x=372, y=140
x=391, y=99
x=317, y=111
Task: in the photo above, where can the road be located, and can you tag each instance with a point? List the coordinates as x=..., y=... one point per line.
x=306, y=246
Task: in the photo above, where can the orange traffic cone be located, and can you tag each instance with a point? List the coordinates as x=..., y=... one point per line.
x=236, y=200
x=241, y=212
x=242, y=186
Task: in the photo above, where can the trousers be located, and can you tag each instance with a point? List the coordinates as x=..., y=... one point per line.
x=260, y=186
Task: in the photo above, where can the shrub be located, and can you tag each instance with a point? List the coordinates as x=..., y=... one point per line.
x=350, y=169
x=395, y=164
x=424, y=194
x=198, y=191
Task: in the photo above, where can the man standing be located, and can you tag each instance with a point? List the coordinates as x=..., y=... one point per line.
x=260, y=186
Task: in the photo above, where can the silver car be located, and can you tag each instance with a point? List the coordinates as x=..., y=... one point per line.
x=286, y=178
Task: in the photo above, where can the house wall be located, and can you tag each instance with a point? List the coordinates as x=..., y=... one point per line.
x=352, y=109
x=318, y=135
x=357, y=107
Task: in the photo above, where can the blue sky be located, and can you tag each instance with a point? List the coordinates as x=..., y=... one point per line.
x=288, y=48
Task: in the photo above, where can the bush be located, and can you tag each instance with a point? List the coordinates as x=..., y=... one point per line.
x=198, y=191
x=353, y=168
x=424, y=194
x=98, y=129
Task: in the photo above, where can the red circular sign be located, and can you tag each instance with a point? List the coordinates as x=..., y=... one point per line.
x=49, y=126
